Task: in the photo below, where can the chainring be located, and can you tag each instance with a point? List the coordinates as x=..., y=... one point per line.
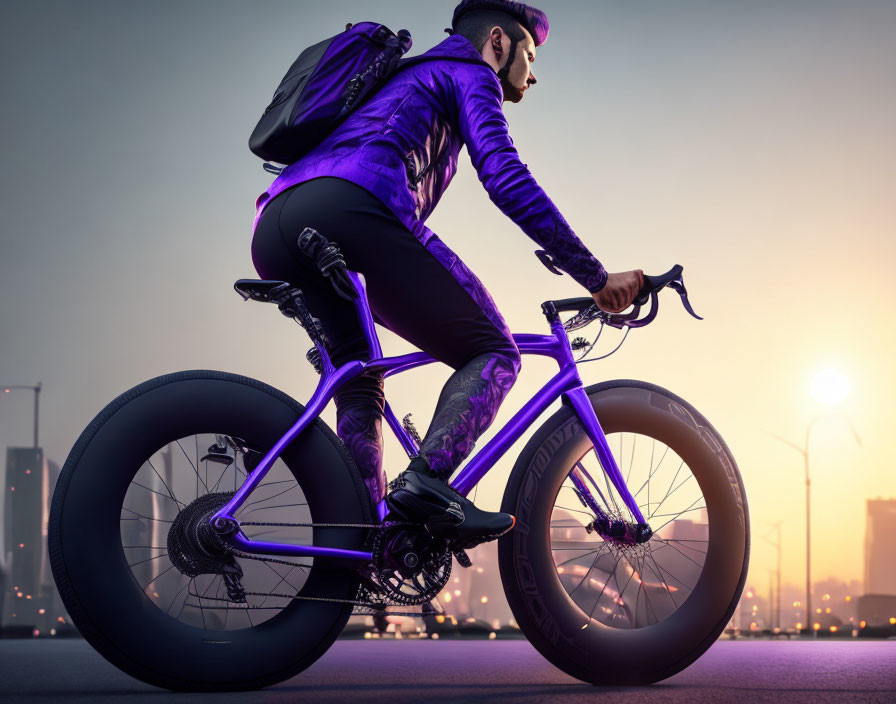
x=410, y=566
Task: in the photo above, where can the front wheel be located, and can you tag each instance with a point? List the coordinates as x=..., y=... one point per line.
x=602, y=609
x=156, y=595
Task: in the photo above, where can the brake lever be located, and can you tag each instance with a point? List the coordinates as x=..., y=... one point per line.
x=678, y=285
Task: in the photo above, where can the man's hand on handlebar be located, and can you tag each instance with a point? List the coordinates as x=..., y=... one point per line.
x=619, y=291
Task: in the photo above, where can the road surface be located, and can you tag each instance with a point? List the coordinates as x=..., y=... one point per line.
x=447, y=671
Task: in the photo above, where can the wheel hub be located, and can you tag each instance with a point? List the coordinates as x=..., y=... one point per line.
x=621, y=532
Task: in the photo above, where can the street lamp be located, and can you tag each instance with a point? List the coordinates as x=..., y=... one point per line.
x=804, y=451
x=777, y=599
x=36, y=390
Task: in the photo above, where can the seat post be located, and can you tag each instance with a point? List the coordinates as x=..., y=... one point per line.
x=364, y=315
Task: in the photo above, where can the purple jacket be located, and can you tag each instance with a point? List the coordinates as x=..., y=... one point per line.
x=402, y=146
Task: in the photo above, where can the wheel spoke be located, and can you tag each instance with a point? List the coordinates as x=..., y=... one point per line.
x=671, y=490
x=670, y=545
x=148, y=518
x=156, y=557
x=268, y=498
x=579, y=557
x=168, y=569
x=164, y=483
x=164, y=496
x=651, y=473
x=667, y=571
x=676, y=515
x=195, y=468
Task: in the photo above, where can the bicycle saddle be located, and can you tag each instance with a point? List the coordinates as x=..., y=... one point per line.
x=266, y=291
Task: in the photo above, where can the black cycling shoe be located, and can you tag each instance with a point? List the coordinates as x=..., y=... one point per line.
x=415, y=496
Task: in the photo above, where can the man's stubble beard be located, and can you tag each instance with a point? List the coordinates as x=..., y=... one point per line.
x=511, y=92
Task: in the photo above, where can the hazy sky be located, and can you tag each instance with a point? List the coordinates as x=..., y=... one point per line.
x=752, y=142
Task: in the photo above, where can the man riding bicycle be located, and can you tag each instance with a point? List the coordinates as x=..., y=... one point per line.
x=369, y=187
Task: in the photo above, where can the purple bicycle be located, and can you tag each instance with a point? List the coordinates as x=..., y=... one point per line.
x=208, y=532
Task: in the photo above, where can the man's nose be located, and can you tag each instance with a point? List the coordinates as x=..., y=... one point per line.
x=532, y=80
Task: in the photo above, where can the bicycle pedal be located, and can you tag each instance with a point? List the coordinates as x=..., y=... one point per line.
x=462, y=558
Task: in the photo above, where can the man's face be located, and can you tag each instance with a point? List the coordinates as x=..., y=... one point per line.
x=520, y=76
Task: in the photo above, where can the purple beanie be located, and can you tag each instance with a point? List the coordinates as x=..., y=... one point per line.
x=535, y=21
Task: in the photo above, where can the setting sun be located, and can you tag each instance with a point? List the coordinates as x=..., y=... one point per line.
x=830, y=386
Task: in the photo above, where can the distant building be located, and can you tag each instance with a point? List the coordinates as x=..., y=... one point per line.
x=30, y=603
x=876, y=609
x=24, y=543
x=880, y=539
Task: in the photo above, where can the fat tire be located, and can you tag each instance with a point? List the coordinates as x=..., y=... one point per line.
x=96, y=585
x=600, y=654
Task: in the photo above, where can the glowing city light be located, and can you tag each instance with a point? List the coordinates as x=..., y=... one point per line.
x=862, y=624
x=830, y=386
x=893, y=620
x=833, y=629
x=492, y=635
x=484, y=600
x=816, y=626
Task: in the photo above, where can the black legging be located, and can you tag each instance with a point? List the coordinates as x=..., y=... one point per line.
x=413, y=293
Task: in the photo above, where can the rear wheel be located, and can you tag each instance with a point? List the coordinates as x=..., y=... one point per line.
x=142, y=582
x=601, y=608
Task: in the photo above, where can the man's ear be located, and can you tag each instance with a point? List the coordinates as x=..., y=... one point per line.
x=496, y=37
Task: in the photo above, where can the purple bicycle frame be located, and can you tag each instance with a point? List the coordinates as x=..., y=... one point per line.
x=565, y=383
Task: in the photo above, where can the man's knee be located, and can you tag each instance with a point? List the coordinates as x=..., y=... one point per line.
x=507, y=359
x=364, y=391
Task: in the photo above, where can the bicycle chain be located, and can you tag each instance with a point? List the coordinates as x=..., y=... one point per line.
x=371, y=605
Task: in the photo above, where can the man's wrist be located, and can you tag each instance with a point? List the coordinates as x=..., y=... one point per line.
x=600, y=283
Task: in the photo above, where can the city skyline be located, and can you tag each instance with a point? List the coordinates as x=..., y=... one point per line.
x=726, y=138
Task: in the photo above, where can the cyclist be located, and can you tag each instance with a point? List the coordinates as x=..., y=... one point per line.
x=369, y=187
